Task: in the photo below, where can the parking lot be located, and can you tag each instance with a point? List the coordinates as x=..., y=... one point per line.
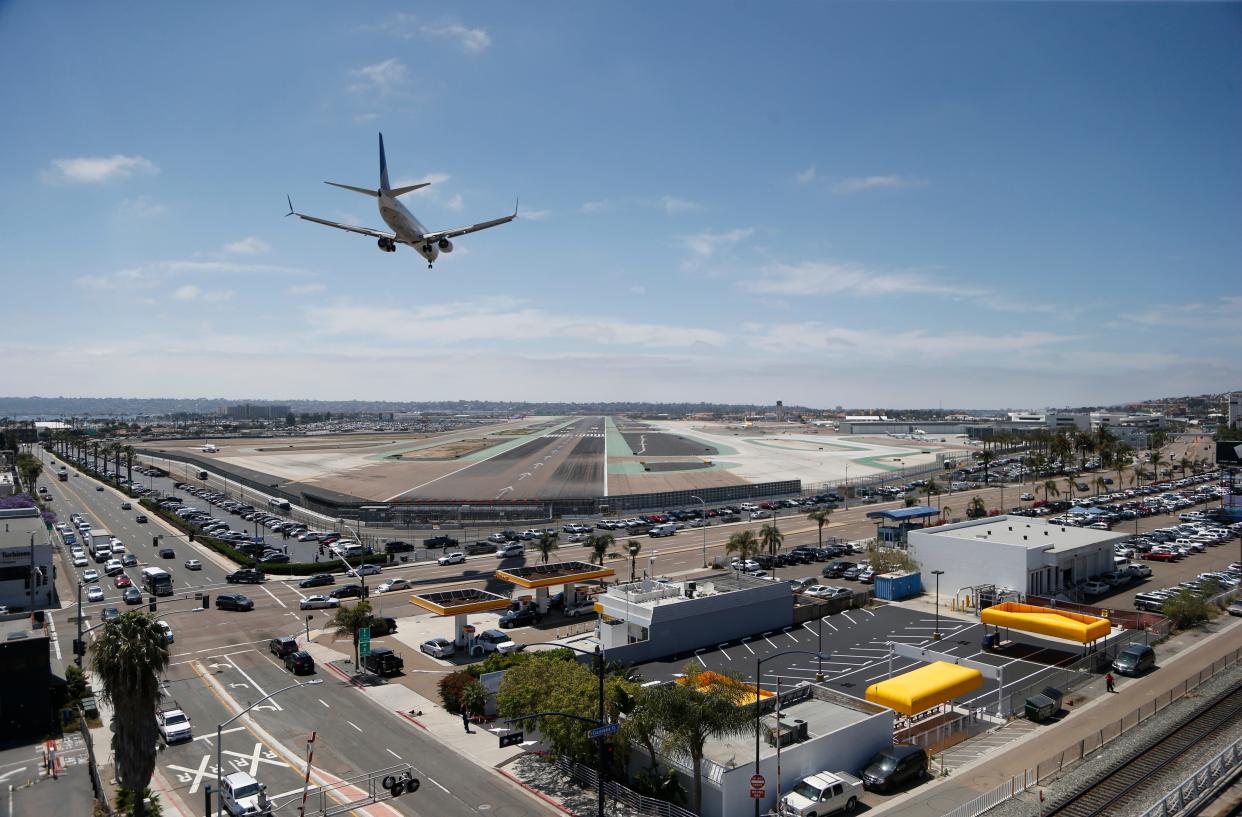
x=855, y=643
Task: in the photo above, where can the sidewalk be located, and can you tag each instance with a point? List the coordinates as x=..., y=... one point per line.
x=1090, y=708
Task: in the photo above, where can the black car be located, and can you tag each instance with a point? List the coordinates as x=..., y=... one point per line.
x=347, y=591
x=477, y=548
x=233, y=601
x=318, y=580
x=519, y=618
x=440, y=542
x=835, y=570
x=168, y=553
x=132, y=595
x=299, y=662
x=397, y=546
x=245, y=576
x=274, y=557
x=282, y=646
x=141, y=519
x=109, y=614
x=381, y=627
x=891, y=767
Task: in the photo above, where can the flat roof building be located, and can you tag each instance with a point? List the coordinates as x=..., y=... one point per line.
x=1030, y=556
x=27, y=579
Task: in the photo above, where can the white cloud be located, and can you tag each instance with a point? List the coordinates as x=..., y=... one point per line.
x=306, y=289
x=382, y=78
x=190, y=292
x=913, y=345
x=449, y=324
x=673, y=205
x=707, y=244
x=859, y=184
x=805, y=176
x=597, y=206
x=470, y=40
x=1220, y=314
x=187, y=293
x=432, y=180
x=156, y=273
x=140, y=207
x=250, y=245
x=97, y=169
x=535, y=215
x=455, y=202
x=638, y=289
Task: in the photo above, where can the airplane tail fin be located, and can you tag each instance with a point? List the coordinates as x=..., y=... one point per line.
x=383, y=165
x=361, y=190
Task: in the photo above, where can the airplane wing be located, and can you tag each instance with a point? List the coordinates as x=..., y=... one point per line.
x=431, y=238
x=351, y=228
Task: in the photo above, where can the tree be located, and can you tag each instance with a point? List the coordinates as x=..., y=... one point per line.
x=820, y=517
x=1186, y=608
x=976, y=508
x=633, y=547
x=129, y=463
x=986, y=458
x=691, y=713
x=347, y=621
x=890, y=560
x=129, y=656
x=1069, y=487
x=743, y=543
x=599, y=546
x=290, y=420
x=932, y=488
x=771, y=538
x=1156, y=460
x=461, y=691
x=129, y=802
x=545, y=546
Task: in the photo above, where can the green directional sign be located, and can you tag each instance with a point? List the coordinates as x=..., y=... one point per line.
x=364, y=642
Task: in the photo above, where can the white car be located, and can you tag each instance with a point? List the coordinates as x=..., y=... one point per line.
x=80, y=560
x=365, y=570
x=574, y=538
x=95, y=593
x=497, y=641
x=586, y=608
x=168, y=631
x=393, y=584
x=1094, y=588
x=455, y=558
x=318, y=603
x=117, y=545
x=193, y=564
x=1027, y=497
x=90, y=575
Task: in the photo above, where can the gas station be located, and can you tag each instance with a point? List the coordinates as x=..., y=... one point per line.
x=540, y=577
x=459, y=604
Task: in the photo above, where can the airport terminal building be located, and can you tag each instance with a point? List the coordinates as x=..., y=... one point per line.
x=1030, y=556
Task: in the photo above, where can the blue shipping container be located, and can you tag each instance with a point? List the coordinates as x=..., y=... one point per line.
x=898, y=586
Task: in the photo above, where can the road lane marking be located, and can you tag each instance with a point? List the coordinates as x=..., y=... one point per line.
x=325, y=703
x=356, y=726
x=391, y=752
x=438, y=786
x=271, y=704
x=273, y=595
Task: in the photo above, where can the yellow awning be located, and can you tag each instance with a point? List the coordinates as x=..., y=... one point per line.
x=921, y=689
x=1047, y=621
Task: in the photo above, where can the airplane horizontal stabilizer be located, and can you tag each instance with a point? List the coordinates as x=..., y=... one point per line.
x=401, y=191
x=363, y=190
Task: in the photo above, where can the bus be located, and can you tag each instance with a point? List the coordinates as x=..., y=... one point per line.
x=157, y=581
x=62, y=475
x=279, y=505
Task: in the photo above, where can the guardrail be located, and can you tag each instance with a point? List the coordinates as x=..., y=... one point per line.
x=1053, y=766
x=1204, y=782
x=641, y=803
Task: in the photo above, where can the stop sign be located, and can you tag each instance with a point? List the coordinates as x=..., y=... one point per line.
x=756, y=781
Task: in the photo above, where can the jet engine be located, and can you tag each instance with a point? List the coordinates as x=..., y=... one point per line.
x=445, y=245
x=387, y=245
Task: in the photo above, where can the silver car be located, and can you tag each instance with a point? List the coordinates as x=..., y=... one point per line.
x=438, y=647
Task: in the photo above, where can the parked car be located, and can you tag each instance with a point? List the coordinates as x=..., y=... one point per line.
x=496, y=641
x=822, y=794
x=895, y=765
x=383, y=661
x=523, y=617
x=1135, y=660
x=1095, y=588
x=365, y=570
x=438, y=647
x=397, y=546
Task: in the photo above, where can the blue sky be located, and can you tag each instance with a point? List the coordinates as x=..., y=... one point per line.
x=861, y=204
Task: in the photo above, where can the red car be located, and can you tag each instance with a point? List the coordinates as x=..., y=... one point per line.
x=1160, y=556
x=122, y=580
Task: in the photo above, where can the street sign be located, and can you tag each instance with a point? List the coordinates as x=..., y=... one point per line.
x=600, y=731
x=364, y=641
x=758, y=794
x=511, y=739
x=757, y=781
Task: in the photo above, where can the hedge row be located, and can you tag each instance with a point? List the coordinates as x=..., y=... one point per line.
x=229, y=552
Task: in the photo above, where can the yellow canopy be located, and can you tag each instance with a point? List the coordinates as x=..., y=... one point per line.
x=1047, y=621
x=921, y=689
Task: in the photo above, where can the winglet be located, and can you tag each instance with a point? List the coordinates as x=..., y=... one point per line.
x=290, y=200
x=516, y=200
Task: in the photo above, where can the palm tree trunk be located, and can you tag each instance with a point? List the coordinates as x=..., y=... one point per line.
x=696, y=761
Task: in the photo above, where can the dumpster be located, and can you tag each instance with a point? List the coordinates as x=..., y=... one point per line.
x=1040, y=708
x=1054, y=694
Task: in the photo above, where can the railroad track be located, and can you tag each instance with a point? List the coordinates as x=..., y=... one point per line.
x=1129, y=777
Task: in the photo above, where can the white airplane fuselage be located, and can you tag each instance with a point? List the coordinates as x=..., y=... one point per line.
x=406, y=227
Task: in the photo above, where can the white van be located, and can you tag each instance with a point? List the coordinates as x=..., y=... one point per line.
x=667, y=529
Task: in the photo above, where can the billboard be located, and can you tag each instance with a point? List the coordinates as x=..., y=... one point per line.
x=1229, y=453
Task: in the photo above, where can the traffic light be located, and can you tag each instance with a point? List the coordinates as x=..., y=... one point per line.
x=79, y=647
x=191, y=536
x=151, y=603
x=366, y=592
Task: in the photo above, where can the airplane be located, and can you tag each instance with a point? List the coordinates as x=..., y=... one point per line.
x=208, y=448
x=405, y=228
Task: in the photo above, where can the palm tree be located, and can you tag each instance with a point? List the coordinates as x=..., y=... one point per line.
x=946, y=512
x=820, y=517
x=348, y=620
x=129, y=656
x=1156, y=460
x=977, y=508
x=1061, y=448
x=1184, y=464
x=599, y=546
x=633, y=547
x=1100, y=485
x=545, y=546
x=932, y=488
x=771, y=538
x=744, y=544
x=986, y=458
x=691, y=715
x=129, y=463
x=1069, y=487
x=1050, y=489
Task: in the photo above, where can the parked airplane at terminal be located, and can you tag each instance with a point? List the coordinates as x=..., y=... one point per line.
x=405, y=228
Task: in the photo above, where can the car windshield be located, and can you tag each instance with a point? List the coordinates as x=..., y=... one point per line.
x=174, y=718
x=806, y=790
x=885, y=763
x=248, y=790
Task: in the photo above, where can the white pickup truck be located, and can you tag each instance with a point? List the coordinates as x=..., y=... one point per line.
x=821, y=794
x=174, y=725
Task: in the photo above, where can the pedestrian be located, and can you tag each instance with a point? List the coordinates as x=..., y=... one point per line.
x=1108, y=680
x=316, y=558
x=465, y=721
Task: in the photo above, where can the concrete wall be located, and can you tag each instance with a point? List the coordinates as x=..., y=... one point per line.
x=969, y=564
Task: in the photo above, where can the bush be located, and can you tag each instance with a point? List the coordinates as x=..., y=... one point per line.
x=1187, y=609
x=461, y=691
x=495, y=662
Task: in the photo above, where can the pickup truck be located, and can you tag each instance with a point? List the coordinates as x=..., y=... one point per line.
x=383, y=661
x=821, y=794
x=174, y=725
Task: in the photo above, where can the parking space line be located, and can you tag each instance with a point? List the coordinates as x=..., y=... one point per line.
x=829, y=623
x=787, y=632
x=868, y=612
x=391, y=752
x=765, y=638
x=747, y=646
x=325, y=703
x=808, y=628
x=356, y=726
x=722, y=650
x=847, y=616
x=696, y=655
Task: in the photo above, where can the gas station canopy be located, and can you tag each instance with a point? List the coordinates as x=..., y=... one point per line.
x=536, y=576
x=920, y=689
x=459, y=602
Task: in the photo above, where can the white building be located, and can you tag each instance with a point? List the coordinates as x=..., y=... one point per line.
x=26, y=573
x=1014, y=552
x=1051, y=419
x=1234, y=412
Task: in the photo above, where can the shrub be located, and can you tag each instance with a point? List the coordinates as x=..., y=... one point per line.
x=461, y=690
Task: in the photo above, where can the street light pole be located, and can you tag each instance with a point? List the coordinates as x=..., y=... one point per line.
x=937, y=574
x=220, y=729
x=703, y=519
x=758, y=670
